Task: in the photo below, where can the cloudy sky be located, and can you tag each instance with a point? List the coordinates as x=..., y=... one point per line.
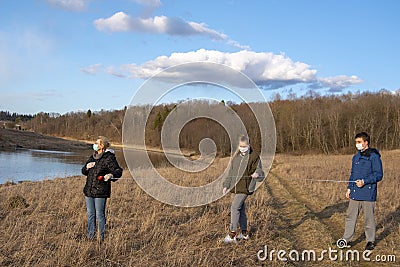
x=69, y=55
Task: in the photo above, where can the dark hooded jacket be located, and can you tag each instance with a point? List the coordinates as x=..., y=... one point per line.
x=367, y=166
x=239, y=179
x=106, y=164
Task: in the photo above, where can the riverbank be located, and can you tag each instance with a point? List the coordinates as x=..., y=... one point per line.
x=14, y=139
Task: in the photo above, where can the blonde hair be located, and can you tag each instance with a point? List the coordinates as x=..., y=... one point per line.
x=104, y=141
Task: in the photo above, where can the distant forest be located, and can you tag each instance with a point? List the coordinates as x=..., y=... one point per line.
x=14, y=117
x=313, y=123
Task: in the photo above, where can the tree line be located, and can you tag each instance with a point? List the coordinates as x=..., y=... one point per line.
x=312, y=123
x=14, y=117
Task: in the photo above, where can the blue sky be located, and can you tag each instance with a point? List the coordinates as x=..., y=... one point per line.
x=70, y=55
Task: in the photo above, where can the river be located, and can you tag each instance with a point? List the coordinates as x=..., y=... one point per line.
x=37, y=165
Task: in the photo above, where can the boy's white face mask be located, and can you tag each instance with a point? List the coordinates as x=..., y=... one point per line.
x=359, y=146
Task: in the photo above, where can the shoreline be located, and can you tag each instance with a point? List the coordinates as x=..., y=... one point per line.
x=16, y=139
x=11, y=140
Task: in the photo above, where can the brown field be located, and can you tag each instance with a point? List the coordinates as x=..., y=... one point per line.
x=44, y=223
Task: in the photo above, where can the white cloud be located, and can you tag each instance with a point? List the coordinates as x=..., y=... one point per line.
x=99, y=68
x=121, y=22
x=112, y=71
x=92, y=69
x=70, y=5
x=265, y=69
x=338, y=83
x=238, y=45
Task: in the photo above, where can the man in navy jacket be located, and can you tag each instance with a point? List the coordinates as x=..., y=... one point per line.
x=366, y=172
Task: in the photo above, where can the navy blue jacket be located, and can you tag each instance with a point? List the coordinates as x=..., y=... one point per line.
x=367, y=166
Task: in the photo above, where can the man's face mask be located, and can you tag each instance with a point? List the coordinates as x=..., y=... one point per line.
x=359, y=146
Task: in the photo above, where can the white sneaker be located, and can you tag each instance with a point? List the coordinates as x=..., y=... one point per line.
x=243, y=237
x=228, y=239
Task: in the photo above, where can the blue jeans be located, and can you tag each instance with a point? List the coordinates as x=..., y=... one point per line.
x=96, y=207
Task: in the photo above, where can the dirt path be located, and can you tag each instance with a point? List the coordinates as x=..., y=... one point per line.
x=304, y=224
x=295, y=222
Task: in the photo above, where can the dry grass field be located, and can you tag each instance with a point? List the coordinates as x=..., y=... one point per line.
x=44, y=223
x=325, y=205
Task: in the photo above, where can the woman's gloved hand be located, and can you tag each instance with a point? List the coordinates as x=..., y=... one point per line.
x=90, y=165
x=108, y=177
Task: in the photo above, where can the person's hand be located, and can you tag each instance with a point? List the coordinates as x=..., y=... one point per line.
x=360, y=183
x=90, y=165
x=108, y=177
x=348, y=193
x=255, y=175
x=224, y=191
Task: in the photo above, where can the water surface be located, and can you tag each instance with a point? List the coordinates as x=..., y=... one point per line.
x=36, y=165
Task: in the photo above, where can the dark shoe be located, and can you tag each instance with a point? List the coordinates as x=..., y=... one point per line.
x=370, y=246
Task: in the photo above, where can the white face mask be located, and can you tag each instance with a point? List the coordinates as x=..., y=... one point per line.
x=95, y=147
x=359, y=146
x=243, y=149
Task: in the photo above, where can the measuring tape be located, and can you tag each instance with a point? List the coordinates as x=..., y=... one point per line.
x=324, y=180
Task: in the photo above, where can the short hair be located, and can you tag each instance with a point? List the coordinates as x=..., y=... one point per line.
x=104, y=141
x=244, y=138
x=364, y=136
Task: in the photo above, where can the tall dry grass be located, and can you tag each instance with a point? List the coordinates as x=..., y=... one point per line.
x=328, y=198
x=48, y=227
x=141, y=231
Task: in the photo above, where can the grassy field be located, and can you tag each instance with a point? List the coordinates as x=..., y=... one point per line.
x=325, y=204
x=44, y=223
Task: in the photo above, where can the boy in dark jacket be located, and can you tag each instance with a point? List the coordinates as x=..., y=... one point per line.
x=366, y=172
